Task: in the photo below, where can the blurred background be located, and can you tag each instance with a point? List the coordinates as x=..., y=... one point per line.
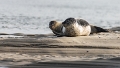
x=33, y=16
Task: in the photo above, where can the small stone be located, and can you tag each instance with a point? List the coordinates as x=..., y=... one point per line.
x=99, y=37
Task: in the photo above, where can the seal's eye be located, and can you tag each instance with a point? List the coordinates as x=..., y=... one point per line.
x=66, y=22
x=52, y=23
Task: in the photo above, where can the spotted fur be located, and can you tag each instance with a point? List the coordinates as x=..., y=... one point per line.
x=76, y=27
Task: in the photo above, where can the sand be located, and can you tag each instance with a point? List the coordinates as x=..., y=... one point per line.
x=48, y=51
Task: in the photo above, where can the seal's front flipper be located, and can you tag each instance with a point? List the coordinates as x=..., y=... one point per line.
x=59, y=35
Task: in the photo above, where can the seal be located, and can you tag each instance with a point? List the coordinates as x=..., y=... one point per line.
x=56, y=27
x=59, y=30
x=76, y=27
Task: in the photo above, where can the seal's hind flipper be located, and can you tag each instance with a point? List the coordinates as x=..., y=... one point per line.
x=95, y=29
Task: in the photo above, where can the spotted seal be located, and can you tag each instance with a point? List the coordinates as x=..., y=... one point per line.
x=59, y=30
x=76, y=27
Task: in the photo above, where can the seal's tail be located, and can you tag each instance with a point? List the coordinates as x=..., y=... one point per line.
x=95, y=29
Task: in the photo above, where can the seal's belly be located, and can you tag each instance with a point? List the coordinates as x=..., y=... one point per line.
x=77, y=31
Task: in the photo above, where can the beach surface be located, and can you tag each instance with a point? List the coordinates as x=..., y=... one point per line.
x=48, y=51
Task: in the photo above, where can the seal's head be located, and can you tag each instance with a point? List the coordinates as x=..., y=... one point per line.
x=52, y=25
x=56, y=27
x=69, y=22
